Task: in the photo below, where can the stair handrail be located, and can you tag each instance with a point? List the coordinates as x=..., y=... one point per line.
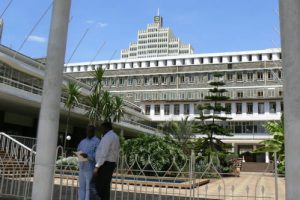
x=14, y=148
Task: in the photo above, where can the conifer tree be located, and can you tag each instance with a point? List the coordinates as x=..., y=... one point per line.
x=212, y=124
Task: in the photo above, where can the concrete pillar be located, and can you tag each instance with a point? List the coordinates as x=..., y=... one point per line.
x=50, y=108
x=267, y=158
x=290, y=43
x=233, y=147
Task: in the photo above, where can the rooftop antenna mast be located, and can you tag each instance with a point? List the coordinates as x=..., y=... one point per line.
x=157, y=11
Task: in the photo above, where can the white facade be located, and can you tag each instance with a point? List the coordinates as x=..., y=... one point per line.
x=156, y=41
x=273, y=54
x=170, y=88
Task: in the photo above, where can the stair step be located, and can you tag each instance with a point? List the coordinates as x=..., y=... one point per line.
x=256, y=167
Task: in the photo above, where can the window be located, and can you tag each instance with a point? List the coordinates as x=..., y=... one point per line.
x=229, y=77
x=155, y=80
x=176, y=109
x=196, y=111
x=260, y=93
x=280, y=93
x=181, y=79
x=191, y=79
x=238, y=108
x=129, y=81
x=166, y=109
x=239, y=77
x=146, y=81
x=239, y=94
x=157, y=109
x=228, y=108
x=172, y=79
x=279, y=74
x=106, y=82
x=163, y=80
x=281, y=106
x=261, y=108
x=272, y=107
x=121, y=81
x=186, y=109
x=249, y=76
x=138, y=81
x=147, y=109
x=113, y=82
x=270, y=75
x=209, y=77
x=260, y=76
x=249, y=108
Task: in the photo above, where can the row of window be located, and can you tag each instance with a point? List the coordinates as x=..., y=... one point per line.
x=11, y=73
x=173, y=62
x=191, y=79
x=151, y=35
x=239, y=109
x=249, y=127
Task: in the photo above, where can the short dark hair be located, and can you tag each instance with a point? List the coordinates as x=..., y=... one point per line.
x=91, y=128
x=106, y=125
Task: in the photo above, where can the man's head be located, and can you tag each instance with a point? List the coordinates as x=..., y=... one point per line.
x=105, y=127
x=90, y=131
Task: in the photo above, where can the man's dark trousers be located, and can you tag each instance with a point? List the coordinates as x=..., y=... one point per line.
x=103, y=179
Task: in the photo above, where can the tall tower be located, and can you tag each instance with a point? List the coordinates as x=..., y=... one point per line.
x=156, y=41
x=1, y=28
x=158, y=19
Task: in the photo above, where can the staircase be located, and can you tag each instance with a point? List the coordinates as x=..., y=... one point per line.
x=12, y=168
x=15, y=158
x=257, y=167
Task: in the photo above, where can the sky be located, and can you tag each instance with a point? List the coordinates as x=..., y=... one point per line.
x=209, y=25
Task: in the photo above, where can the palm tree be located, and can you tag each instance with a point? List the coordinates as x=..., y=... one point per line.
x=98, y=76
x=107, y=106
x=103, y=106
x=94, y=112
x=72, y=92
x=118, y=109
x=276, y=144
x=94, y=100
x=182, y=131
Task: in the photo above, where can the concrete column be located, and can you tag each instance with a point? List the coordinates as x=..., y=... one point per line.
x=267, y=158
x=290, y=42
x=233, y=147
x=50, y=108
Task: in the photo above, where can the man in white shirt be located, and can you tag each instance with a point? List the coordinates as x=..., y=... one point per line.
x=107, y=156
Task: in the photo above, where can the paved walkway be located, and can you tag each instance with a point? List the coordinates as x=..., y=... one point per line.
x=249, y=186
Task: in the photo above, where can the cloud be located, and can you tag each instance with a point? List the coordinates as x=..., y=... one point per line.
x=90, y=21
x=35, y=38
x=102, y=25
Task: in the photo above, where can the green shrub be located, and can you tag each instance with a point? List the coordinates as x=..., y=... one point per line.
x=69, y=163
x=151, y=152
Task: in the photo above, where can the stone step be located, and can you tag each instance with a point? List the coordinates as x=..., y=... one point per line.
x=256, y=167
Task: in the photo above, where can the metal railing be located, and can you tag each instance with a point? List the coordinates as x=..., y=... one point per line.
x=14, y=148
x=30, y=142
x=139, y=125
x=143, y=178
x=132, y=106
